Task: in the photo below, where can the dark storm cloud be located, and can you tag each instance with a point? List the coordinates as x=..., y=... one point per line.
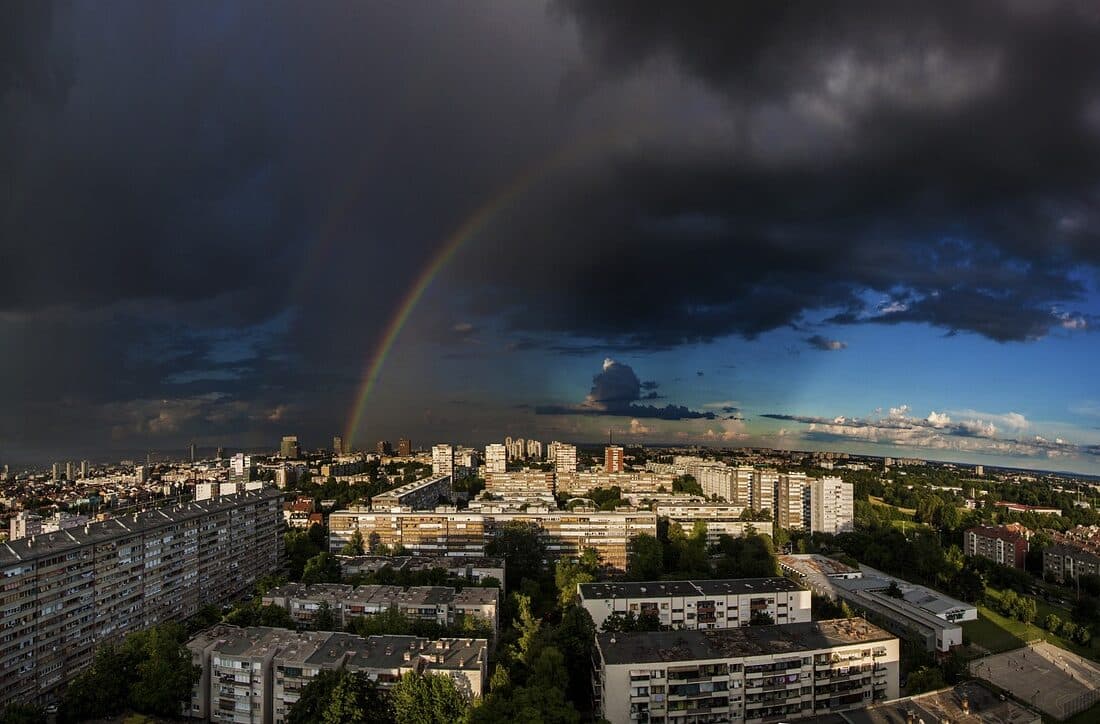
x=836, y=159
x=615, y=391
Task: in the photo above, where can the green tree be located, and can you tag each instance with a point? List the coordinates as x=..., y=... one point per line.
x=1052, y=623
x=355, y=546
x=524, y=547
x=645, y=561
x=427, y=699
x=22, y=714
x=568, y=574
x=926, y=678
x=325, y=619
x=528, y=627
x=322, y=568
x=761, y=618
x=102, y=689
x=894, y=590
x=166, y=674
x=341, y=696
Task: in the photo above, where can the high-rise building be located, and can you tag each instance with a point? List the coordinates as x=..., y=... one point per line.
x=789, y=507
x=289, y=448
x=93, y=584
x=69, y=471
x=192, y=451
x=221, y=453
x=404, y=447
x=565, y=460
x=764, y=483
x=831, y=507
x=241, y=465
x=443, y=460
x=83, y=469
x=55, y=472
x=534, y=449
x=613, y=459
x=383, y=447
x=979, y=470
x=337, y=445
x=496, y=458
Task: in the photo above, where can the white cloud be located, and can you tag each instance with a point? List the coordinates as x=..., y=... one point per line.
x=637, y=428
x=937, y=419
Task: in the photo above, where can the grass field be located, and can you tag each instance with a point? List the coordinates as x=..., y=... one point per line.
x=879, y=501
x=997, y=633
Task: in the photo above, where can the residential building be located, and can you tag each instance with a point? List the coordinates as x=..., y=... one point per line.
x=289, y=448
x=749, y=674
x=418, y=495
x=1074, y=553
x=719, y=519
x=67, y=592
x=764, y=483
x=1021, y=508
x=789, y=508
x=1004, y=544
x=496, y=458
x=474, y=569
x=629, y=483
x=702, y=604
x=970, y=702
x=534, y=450
x=613, y=459
x=438, y=604
x=443, y=460
x=565, y=459
x=831, y=506
x=404, y=447
x=520, y=484
x=338, y=445
x=24, y=524
x=257, y=674
x=453, y=532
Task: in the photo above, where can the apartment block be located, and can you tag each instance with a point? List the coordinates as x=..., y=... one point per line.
x=452, y=532
x=520, y=484
x=1004, y=544
x=703, y=604
x=417, y=495
x=438, y=604
x=496, y=458
x=1074, y=553
x=472, y=568
x=719, y=519
x=565, y=457
x=629, y=483
x=831, y=506
x=613, y=459
x=257, y=674
x=789, y=500
x=762, y=493
x=751, y=674
x=443, y=460
x=67, y=592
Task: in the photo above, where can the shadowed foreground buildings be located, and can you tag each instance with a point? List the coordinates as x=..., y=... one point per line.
x=768, y=673
x=257, y=674
x=68, y=592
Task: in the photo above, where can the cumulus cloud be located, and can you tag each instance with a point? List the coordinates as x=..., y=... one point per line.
x=825, y=344
x=615, y=391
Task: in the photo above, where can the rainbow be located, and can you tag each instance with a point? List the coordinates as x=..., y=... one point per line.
x=481, y=218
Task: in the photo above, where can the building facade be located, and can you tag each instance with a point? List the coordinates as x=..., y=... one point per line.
x=1005, y=544
x=789, y=507
x=419, y=494
x=496, y=458
x=256, y=674
x=613, y=459
x=443, y=460
x=703, y=604
x=67, y=592
x=752, y=674
x=565, y=458
x=831, y=506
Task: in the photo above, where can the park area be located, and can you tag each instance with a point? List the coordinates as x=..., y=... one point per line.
x=1058, y=682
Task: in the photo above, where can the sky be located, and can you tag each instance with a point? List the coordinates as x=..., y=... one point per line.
x=872, y=226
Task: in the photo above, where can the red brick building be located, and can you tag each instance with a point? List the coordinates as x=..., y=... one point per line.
x=1005, y=544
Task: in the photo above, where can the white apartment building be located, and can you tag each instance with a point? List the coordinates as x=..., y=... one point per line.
x=719, y=519
x=831, y=507
x=496, y=458
x=443, y=460
x=762, y=496
x=565, y=458
x=702, y=604
x=256, y=674
x=751, y=674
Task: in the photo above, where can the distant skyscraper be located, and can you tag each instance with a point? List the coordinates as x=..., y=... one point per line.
x=289, y=448
x=384, y=448
x=69, y=470
x=613, y=459
x=221, y=453
x=443, y=460
x=565, y=461
x=55, y=472
x=192, y=452
x=496, y=458
x=534, y=449
x=404, y=447
x=83, y=469
x=337, y=445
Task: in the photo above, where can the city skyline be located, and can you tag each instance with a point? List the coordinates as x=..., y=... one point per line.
x=549, y=221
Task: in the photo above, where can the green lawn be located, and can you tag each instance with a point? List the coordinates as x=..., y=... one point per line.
x=998, y=633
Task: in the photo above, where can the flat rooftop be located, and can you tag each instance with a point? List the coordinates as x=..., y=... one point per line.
x=656, y=589
x=985, y=707
x=670, y=646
